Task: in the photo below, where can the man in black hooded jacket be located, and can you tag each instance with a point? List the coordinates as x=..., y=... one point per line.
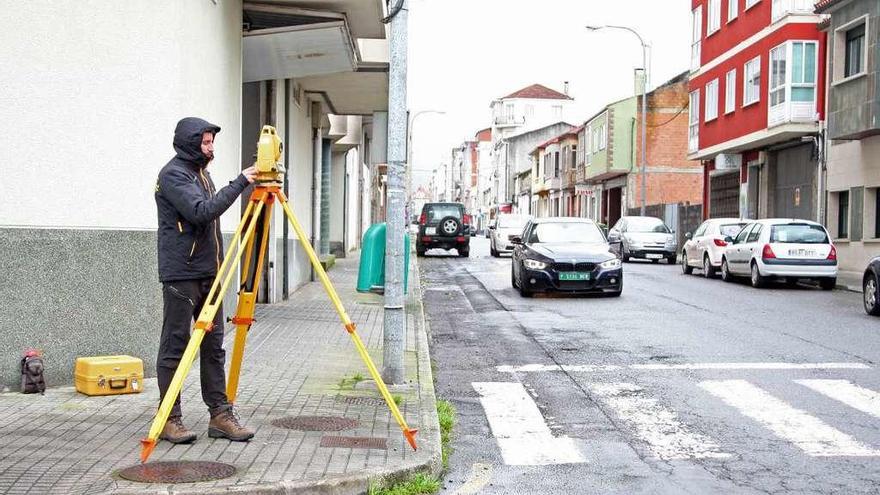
x=190, y=252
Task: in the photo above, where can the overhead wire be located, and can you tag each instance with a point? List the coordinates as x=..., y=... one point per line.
x=394, y=11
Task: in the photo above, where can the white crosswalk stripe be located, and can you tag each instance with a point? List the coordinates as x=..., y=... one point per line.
x=810, y=434
x=655, y=424
x=519, y=428
x=860, y=398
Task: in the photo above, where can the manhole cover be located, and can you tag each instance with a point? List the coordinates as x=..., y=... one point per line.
x=177, y=472
x=354, y=442
x=315, y=423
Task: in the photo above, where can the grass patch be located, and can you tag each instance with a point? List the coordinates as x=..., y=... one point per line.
x=421, y=483
x=416, y=485
x=397, y=398
x=348, y=383
x=446, y=415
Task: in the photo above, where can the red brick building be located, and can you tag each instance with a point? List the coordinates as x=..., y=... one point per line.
x=756, y=100
x=672, y=178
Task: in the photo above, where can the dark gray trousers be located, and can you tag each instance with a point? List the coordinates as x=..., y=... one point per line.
x=183, y=301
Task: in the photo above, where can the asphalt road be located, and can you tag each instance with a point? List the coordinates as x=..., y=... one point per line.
x=682, y=385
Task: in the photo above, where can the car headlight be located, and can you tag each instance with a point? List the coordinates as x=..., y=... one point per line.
x=610, y=264
x=534, y=264
x=632, y=241
x=670, y=242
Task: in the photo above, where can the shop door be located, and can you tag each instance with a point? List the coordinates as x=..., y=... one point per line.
x=724, y=195
x=795, y=172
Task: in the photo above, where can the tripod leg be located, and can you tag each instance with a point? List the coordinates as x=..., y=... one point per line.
x=349, y=326
x=203, y=324
x=247, y=295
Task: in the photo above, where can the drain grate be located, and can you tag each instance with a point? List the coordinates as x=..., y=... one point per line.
x=364, y=401
x=315, y=423
x=354, y=442
x=177, y=472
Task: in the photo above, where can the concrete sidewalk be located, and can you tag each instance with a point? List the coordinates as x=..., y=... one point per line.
x=297, y=354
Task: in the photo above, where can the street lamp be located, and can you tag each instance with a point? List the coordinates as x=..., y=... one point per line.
x=409, y=152
x=644, y=108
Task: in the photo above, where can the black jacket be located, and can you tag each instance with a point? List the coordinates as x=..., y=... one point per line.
x=190, y=244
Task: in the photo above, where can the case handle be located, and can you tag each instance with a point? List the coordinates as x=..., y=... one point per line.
x=116, y=383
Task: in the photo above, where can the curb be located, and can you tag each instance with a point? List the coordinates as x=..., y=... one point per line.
x=356, y=484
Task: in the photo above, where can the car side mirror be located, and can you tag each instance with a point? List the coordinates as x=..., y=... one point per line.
x=687, y=235
x=728, y=239
x=517, y=240
x=491, y=227
x=613, y=237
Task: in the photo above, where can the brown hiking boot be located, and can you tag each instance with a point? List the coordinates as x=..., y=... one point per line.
x=175, y=432
x=226, y=425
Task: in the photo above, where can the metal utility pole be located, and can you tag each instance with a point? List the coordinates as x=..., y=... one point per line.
x=644, y=125
x=394, y=335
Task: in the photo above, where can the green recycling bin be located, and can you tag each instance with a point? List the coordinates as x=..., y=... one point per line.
x=371, y=273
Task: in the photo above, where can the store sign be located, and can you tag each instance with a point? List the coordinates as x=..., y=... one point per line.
x=725, y=161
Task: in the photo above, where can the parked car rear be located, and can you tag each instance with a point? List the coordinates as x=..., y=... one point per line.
x=704, y=247
x=788, y=249
x=444, y=226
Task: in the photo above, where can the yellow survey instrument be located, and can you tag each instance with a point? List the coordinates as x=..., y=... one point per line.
x=248, y=249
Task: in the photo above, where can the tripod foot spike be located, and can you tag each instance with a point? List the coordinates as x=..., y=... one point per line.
x=410, y=435
x=147, y=447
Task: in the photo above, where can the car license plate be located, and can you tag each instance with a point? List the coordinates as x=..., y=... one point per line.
x=573, y=276
x=430, y=230
x=812, y=253
x=653, y=256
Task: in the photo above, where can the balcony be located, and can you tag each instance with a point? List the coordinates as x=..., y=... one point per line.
x=581, y=175
x=509, y=121
x=782, y=8
x=525, y=187
x=789, y=112
x=553, y=183
x=539, y=186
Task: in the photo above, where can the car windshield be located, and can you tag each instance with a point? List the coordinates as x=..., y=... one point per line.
x=437, y=212
x=562, y=232
x=731, y=229
x=798, y=233
x=511, y=222
x=644, y=224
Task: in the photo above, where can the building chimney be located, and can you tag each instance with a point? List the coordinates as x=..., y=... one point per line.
x=565, y=88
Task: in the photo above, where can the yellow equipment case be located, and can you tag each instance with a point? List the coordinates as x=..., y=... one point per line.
x=109, y=375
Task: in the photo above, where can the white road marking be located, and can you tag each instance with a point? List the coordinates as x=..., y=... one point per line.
x=655, y=424
x=481, y=474
x=860, y=398
x=588, y=368
x=752, y=366
x=810, y=434
x=519, y=428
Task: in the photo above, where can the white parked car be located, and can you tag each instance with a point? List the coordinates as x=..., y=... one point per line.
x=781, y=249
x=703, y=248
x=506, y=226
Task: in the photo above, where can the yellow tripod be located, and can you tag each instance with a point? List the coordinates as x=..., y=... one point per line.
x=247, y=242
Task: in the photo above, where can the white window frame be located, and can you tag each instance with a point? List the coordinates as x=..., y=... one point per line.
x=694, y=121
x=793, y=85
x=730, y=91
x=602, y=136
x=711, y=111
x=732, y=10
x=777, y=85
x=747, y=79
x=713, y=17
x=696, y=37
x=750, y=4
x=588, y=145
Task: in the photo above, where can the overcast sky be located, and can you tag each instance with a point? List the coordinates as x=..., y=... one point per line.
x=464, y=53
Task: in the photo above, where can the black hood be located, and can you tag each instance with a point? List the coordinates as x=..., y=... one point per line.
x=188, y=139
